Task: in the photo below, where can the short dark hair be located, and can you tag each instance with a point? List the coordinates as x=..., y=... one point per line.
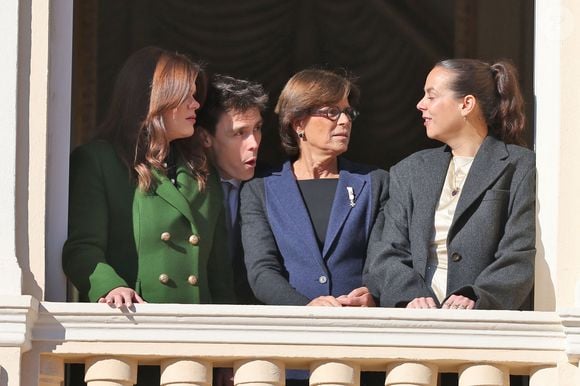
x=226, y=93
x=308, y=89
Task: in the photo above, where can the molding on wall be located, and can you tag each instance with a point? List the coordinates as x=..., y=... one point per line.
x=17, y=317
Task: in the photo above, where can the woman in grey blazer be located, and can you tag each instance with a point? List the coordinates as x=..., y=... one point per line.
x=459, y=226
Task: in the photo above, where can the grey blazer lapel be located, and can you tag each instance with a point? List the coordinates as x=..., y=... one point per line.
x=426, y=185
x=341, y=205
x=489, y=163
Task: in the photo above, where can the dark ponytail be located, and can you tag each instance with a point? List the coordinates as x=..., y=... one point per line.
x=510, y=120
x=497, y=91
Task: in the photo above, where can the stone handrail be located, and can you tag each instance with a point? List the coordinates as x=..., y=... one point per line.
x=261, y=342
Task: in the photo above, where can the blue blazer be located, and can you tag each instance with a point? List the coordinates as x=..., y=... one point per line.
x=284, y=262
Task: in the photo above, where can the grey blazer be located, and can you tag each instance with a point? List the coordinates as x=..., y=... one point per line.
x=491, y=242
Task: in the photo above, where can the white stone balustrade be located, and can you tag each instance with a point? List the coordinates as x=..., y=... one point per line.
x=411, y=374
x=259, y=372
x=326, y=373
x=110, y=371
x=483, y=375
x=262, y=342
x=185, y=372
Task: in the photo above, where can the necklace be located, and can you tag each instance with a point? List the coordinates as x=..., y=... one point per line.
x=459, y=173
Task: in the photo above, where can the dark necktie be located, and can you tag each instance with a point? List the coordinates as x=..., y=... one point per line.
x=230, y=203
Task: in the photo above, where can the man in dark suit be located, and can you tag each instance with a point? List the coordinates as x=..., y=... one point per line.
x=230, y=125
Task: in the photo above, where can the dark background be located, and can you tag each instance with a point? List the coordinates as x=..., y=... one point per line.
x=389, y=45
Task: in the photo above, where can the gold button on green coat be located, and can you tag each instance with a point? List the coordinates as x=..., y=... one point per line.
x=193, y=239
x=163, y=278
x=192, y=279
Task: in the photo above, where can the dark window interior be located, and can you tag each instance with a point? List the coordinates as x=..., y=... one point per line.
x=389, y=45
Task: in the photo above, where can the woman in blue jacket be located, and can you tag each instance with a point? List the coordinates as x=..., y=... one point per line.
x=305, y=225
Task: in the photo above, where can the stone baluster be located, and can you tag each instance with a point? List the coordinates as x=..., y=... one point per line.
x=107, y=371
x=51, y=371
x=186, y=372
x=541, y=376
x=334, y=374
x=259, y=372
x=411, y=374
x=483, y=374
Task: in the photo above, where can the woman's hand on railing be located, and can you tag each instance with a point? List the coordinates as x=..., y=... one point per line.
x=358, y=297
x=121, y=296
x=422, y=303
x=325, y=301
x=458, y=302
x=454, y=302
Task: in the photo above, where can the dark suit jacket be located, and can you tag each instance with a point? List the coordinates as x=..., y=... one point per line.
x=244, y=293
x=491, y=242
x=285, y=265
x=115, y=233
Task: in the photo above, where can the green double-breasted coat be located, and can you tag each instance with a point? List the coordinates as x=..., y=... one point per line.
x=169, y=244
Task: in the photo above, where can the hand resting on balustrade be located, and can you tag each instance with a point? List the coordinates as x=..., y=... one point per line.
x=454, y=302
x=121, y=296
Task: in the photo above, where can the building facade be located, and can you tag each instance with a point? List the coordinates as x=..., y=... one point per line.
x=39, y=332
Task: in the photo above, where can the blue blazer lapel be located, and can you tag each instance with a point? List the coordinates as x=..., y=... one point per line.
x=341, y=205
x=488, y=165
x=168, y=192
x=283, y=194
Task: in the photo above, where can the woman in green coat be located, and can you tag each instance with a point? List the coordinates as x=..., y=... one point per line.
x=146, y=218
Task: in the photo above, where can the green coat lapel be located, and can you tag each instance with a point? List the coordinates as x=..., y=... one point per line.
x=174, y=194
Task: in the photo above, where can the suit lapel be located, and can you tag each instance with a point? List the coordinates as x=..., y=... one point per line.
x=427, y=189
x=489, y=163
x=341, y=205
x=295, y=221
x=426, y=185
x=170, y=193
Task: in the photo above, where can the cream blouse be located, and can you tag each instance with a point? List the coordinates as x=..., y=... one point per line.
x=437, y=262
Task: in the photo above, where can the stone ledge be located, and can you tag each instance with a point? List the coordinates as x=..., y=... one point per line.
x=17, y=316
x=527, y=338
